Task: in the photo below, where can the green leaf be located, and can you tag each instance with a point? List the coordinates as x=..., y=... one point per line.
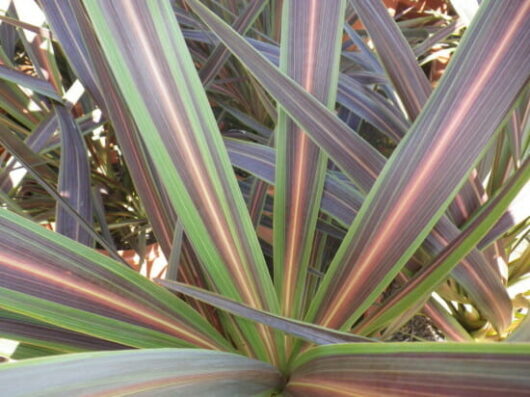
x=356, y=158
x=300, y=165
x=307, y=331
x=430, y=276
x=407, y=369
x=53, y=279
x=43, y=335
x=162, y=89
x=175, y=372
x=426, y=170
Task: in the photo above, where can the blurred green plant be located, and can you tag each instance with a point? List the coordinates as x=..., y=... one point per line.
x=308, y=188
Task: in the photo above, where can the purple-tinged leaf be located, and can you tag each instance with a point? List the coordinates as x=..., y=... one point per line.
x=178, y=127
x=358, y=160
x=340, y=198
x=74, y=179
x=43, y=32
x=371, y=107
x=422, y=176
x=412, y=369
x=436, y=37
x=309, y=54
x=306, y=331
x=38, y=333
x=20, y=149
x=517, y=212
x=429, y=277
x=171, y=372
x=220, y=53
x=33, y=83
x=62, y=282
x=71, y=27
x=395, y=54
x=38, y=48
x=522, y=332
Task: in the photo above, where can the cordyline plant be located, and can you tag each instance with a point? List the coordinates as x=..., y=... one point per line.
x=309, y=187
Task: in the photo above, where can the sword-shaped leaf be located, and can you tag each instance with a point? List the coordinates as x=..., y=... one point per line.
x=395, y=54
x=175, y=372
x=408, y=369
x=220, y=53
x=40, y=334
x=426, y=280
x=51, y=278
x=340, y=198
x=71, y=26
x=33, y=83
x=307, y=331
x=309, y=53
x=74, y=179
x=156, y=75
x=357, y=159
x=424, y=173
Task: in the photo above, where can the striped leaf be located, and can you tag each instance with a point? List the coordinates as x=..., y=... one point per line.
x=342, y=201
x=309, y=332
x=357, y=159
x=340, y=198
x=40, y=334
x=395, y=55
x=177, y=125
x=12, y=174
x=74, y=179
x=176, y=372
x=430, y=164
x=33, y=83
x=220, y=53
x=309, y=53
x=71, y=26
x=416, y=369
x=20, y=149
x=59, y=281
x=424, y=282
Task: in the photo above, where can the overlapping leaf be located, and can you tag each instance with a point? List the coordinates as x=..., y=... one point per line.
x=177, y=125
x=357, y=159
x=428, y=167
x=311, y=38
x=53, y=279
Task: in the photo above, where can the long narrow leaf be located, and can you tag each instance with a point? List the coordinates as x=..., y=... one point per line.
x=220, y=53
x=310, y=48
x=306, y=331
x=424, y=282
x=429, y=165
x=57, y=280
x=178, y=127
x=74, y=179
x=422, y=369
x=148, y=372
x=395, y=55
x=33, y=83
